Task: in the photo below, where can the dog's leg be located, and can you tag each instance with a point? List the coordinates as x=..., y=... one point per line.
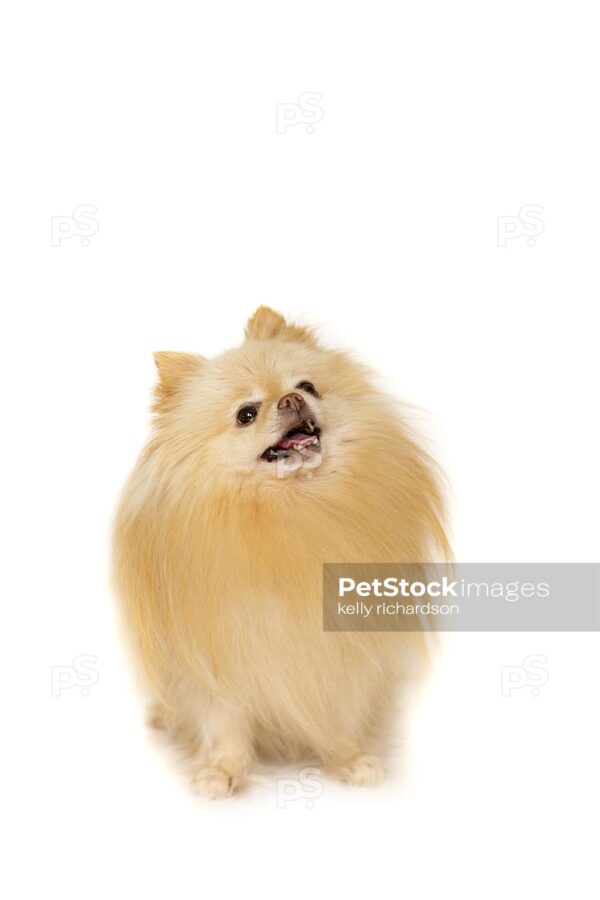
x=352, y=763
x=225, y=750
x=364, y=769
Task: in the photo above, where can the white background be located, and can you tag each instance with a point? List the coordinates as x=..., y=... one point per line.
x=382, y=224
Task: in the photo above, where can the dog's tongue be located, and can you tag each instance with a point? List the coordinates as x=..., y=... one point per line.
x=298, y=439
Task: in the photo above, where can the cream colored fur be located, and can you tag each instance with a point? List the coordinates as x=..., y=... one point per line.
x=219, y=561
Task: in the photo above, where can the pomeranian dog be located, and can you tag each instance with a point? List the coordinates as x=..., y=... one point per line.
x=265, y=463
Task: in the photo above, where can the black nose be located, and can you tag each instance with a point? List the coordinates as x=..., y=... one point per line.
x=291, y=401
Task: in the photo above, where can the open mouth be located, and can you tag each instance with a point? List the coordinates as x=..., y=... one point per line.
x=304, y=434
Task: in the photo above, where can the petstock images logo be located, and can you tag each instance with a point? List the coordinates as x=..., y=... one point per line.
x=461, y=597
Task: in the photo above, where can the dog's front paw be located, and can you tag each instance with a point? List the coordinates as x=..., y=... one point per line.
x=365, y=770
x=213, y=784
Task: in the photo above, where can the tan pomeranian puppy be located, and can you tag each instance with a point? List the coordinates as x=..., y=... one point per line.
x=265, y=463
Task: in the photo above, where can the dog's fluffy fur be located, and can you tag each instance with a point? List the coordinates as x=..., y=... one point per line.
x=219, y=554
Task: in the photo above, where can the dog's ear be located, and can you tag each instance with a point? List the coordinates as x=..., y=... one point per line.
x=173, y=368
x=266, y=324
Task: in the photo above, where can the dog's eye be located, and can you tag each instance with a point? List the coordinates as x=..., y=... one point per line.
x=247, y=414
x=307, y=386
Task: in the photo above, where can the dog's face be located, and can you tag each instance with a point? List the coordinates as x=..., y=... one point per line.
x=277, y=405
